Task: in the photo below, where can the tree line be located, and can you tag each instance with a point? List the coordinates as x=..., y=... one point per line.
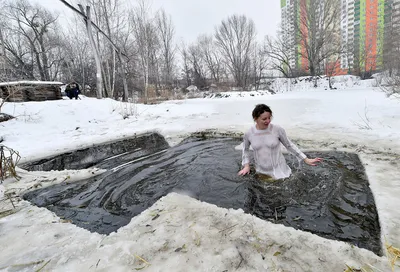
x=114, y=51
x=135, y=44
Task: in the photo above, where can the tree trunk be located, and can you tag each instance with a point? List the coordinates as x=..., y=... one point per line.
x=112, y=89
x=124, y=82
x=3, y=50
x=146, y=82
x=99, y=83
x=83, y=80
x=45, y=60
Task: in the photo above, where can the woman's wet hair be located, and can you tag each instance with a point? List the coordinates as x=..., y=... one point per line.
x=260, y=109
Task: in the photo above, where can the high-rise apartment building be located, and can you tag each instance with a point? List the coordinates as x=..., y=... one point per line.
x=368, y=37
x=396, y=13
x=291, y=11
x=289, y=25
x=363, y=27
x=392, y=28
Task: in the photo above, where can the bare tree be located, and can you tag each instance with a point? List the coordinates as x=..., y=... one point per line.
x=155, y=60
x=166, y=32
x=78, y=65
x=146, y=40
x=95, y=50
x=235, y=38
x=4, y=65
x=17, y=58
x=119, y=54
x=211, y=56
x=331, y=70
x=259, y=65
x=110, y=16
x=365, y=61
x=198, y=65
x=30, y=40
x=318, y=33
x=186, y=70
x=280, y=53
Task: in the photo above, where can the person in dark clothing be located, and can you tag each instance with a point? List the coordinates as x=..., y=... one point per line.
x=76, y=91
x=68, y=91
x=72, y=90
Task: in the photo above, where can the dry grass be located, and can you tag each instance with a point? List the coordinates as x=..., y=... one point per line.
x=157, y=96
x=9, y=158
x=393, y=254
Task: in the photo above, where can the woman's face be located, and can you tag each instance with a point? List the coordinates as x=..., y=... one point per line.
x=263, y=120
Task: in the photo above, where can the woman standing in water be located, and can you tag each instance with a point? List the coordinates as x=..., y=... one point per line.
x=265, y=139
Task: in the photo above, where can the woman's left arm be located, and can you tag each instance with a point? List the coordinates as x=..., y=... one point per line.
x=292, y=148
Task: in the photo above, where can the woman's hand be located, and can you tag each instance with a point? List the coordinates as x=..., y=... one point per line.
x=312, y=162
x=245, y=170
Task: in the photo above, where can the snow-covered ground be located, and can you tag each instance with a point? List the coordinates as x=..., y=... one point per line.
x=307, y=83
x=190, y=235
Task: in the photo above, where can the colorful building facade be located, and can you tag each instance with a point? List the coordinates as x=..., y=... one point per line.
x=369, y=28
x=291, y=11
x=363, y=27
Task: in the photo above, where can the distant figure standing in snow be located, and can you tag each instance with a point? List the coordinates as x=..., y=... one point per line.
x=265, y=139
x=72, y=90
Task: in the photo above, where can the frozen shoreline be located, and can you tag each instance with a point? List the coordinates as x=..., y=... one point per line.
x=188, y=234
x=42, y=221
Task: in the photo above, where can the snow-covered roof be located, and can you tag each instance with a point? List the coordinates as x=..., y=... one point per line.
x=30, y=82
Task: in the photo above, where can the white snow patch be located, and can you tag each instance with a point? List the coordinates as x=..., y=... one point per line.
x=190, y=235
x=27, y=82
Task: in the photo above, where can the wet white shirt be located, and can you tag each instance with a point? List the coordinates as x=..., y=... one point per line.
x=268, y=156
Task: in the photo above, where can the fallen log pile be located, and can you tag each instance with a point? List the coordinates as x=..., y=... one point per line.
x=30, y=91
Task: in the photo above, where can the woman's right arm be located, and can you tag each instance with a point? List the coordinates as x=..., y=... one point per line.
x=245, y=156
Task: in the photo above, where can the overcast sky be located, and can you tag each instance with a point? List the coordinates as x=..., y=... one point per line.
x=194, y=17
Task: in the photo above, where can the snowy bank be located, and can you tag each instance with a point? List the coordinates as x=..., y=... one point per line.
x=177, y=233
x=190, y=235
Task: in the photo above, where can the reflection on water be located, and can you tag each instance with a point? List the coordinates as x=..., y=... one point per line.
x=332, y=200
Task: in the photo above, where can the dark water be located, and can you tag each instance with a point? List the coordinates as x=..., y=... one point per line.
x=137, y=146
x=332, y=200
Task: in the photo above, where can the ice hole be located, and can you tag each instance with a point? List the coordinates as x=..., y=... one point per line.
x=332, y=200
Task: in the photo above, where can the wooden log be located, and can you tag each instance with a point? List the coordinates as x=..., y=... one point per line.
x=16, y=95
x=21, y=93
